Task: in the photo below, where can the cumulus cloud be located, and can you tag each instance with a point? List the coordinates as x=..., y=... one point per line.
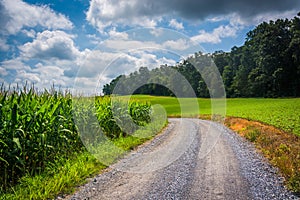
x=25, y=76
x=29, y=33
x=129, y=45
x=53, y=51
x=128, y=63
x=92, y=63
x=42, y=75
x=180, y=44
x=14, y=64
x=3, y=45
x=156, y=32
x=50, y=45
x=16, y=14
x=235, y=19
x=118, y=35
x=49, y=75
x=96, y=63
x=3, y=72
x=175, y=24
x=216, y=35
x=13, y=68
x=105, y=13
x=272, y=16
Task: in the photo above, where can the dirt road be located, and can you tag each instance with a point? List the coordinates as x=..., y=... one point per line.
x=191, y=159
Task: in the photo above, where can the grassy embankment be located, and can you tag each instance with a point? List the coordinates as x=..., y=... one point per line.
x=273, y=125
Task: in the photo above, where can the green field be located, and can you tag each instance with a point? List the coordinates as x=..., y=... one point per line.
x=281, y=113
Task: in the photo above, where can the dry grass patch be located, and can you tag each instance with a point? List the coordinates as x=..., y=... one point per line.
x=280, y=147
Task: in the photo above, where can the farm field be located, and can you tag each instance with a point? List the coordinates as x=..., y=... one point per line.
x=281, y=113
x=39, y=134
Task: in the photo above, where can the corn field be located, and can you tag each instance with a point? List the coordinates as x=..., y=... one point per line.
x=37, y=128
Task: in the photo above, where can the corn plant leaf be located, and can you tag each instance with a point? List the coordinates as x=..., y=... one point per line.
x=3, y=160
x=17, y=141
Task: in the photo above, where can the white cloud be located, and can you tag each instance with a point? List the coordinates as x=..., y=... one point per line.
x=180, y=44
x=25, y=76
x=156, y=32
x=175, y=24
x=157, y=40
x=118, y=35
x=42, y=75
x=236, y=19
x=105, y=13
x=217, y=18
x=205, y=37
x=129, y=45
x=225, y=31
x=50, y=45
x=122, y=45
x=216, y=35
x=273, y=16
x=97, y=63
x=3, y=45
x=49, y=75
x=17, y=14
x=46, y=70
x=94, y=39
x=3, y=71
x=29, y=33
x=14, y=64
x=93, y=62
x=150, y=60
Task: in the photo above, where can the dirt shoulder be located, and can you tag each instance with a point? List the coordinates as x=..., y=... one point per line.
x=282, y=149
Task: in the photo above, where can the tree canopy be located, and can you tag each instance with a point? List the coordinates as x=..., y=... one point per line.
x=267, y=65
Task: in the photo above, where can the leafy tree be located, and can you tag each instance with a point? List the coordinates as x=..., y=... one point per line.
x=267, y=65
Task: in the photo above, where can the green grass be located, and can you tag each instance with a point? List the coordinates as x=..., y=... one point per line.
x=172, y=106
x=63, y=176
x=281, y=113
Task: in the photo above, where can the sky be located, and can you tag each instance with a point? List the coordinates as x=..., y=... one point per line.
x=83, y=44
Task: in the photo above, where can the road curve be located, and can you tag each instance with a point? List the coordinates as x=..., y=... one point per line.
x=191, y=159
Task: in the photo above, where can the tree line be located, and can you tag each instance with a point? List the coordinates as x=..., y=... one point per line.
x=266, y=65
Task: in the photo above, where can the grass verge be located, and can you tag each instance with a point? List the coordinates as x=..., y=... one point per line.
x=61, y=177
x=281, y=148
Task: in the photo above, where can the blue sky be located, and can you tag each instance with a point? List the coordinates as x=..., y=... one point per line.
x=89, y=42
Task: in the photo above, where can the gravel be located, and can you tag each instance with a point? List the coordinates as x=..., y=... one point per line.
x=264, y=179
x=242, y=173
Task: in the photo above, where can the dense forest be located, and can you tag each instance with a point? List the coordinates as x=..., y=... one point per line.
x=267, y=65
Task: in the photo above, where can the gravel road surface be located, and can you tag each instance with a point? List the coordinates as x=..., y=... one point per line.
x=191, y=159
